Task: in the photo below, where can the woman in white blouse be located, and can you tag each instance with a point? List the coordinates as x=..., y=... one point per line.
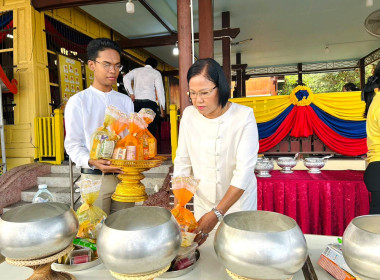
x=218, y=143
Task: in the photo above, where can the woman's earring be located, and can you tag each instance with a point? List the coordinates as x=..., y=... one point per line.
x=190, y=100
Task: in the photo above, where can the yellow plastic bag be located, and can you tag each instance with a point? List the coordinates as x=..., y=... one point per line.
x=90, y=217
x=103, y=140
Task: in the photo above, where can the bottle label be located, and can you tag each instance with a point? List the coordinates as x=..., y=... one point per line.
x=131, y=152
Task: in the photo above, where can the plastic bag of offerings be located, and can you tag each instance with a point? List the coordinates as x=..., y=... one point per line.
x=184, y=189
x=90, y=217
x=103, y=139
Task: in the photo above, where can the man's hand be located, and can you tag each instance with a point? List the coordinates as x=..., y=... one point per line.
x=104, y=166
x=162, y=112
x=133, y=97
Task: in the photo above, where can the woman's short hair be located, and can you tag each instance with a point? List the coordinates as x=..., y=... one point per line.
x=100, y=44
x=212, y=71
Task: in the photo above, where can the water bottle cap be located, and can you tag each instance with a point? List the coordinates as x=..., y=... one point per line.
x=42, y=186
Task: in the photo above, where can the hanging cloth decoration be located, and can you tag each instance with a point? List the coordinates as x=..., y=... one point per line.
x=336, y=118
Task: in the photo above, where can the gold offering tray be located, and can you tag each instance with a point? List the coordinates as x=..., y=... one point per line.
x=136, y=163
x=130, y=189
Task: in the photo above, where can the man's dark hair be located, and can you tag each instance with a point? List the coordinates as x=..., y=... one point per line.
x=211, y=69
x=100, y=44
x=351, y=87
x=152, y=62
x=368, y=91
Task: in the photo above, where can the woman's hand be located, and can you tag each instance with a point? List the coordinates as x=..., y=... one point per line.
x=205, y=224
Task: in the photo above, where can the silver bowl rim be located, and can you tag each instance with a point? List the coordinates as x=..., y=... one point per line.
x=228, y=216
x=354, y=222
x=314, y=159
x=261, y=159
x=134, y=209
x=37, y=221
x=286, y=159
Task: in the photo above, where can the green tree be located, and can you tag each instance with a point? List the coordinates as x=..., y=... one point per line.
x=324, y=82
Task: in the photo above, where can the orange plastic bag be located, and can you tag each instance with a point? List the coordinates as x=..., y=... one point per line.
x=184, y=189
x=151, y=142
x=130, y=148
x=119, y=125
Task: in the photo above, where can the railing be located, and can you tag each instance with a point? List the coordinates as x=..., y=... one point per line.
x=49, y=138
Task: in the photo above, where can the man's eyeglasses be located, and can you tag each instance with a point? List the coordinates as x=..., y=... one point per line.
x=109, y=66
x=203, y=94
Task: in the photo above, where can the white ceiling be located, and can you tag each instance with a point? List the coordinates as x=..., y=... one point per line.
x=284, y=32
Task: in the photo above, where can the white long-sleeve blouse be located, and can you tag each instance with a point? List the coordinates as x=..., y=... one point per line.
x=84, y=113
x=221, y=152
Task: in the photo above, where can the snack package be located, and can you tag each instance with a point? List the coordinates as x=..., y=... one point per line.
x=103, y=140
x=130, y=148
x=184, y=189
x=90, y=217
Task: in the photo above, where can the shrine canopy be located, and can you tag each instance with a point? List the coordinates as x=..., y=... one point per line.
x=336, y=118
x=6, y=85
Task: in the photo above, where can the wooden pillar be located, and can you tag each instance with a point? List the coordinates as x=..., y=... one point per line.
x=239, y=77
x=243, y=79
x=299, y=71
x=226, y=48
x=206, y=29
x=184, y=45
x=362, y=73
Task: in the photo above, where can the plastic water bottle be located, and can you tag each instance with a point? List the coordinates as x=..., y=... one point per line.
x=43, y=195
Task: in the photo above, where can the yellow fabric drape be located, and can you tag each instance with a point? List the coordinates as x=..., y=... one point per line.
x=342, y=105
x=265, y=108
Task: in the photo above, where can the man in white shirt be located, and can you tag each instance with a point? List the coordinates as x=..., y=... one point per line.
x=147, y=81
x=85, y=112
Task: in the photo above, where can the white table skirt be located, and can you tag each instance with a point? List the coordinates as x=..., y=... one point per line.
x=208, y=267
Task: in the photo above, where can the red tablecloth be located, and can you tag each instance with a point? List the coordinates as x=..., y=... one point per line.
x=320, y=203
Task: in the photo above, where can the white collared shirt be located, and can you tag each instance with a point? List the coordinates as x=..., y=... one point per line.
x=221, y=152
x=145, y=81
x=84, y=113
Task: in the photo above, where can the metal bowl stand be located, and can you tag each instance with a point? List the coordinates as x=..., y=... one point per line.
x=287, y=170
x=314, y=171
x=42, y=267
x=263, y=174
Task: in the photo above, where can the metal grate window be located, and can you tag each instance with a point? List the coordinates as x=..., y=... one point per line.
x=6, y=62
x=62, y=39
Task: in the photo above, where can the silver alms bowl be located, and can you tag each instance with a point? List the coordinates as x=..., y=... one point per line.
x=260, y=245
x=139, y=240
x=263, y=167
x=37, y=230
x=361, y=247
x=314, y=164
x=286, y=163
